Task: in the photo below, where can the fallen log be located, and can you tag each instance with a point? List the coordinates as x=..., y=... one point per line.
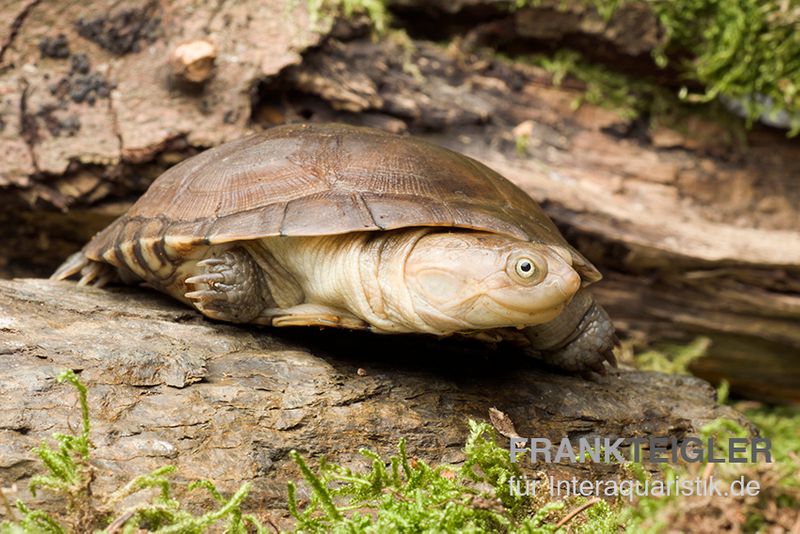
x=228, y=403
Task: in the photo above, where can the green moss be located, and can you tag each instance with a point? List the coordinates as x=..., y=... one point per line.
x=69, y=475
x=782, y=426
x=723, y=391
x=411, y=496
x=602, y=86
x=747, y=51
x=671, y=358
x=375, y=10
x=404, y=495
x=521, y=144
x=632, y=98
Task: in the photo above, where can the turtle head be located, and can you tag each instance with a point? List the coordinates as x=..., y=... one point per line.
x=478, y=280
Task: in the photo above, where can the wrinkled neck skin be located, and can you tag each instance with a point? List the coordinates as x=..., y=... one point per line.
x=367, y=275
x=361, y=272
x=559, y=332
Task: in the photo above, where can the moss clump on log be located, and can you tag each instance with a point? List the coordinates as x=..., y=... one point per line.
x=633, y=98
x=375, y=11
x=746, y=52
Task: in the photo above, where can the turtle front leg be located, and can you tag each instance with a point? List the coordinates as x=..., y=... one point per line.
x=228, y=286
x=581, y=339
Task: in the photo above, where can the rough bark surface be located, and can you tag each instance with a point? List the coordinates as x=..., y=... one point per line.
x=228, y=403
x=696, y=233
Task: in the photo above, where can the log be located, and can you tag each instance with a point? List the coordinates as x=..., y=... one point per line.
x=695, y=232
x=167, y=386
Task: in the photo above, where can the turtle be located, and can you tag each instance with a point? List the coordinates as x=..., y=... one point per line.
x=334, y=225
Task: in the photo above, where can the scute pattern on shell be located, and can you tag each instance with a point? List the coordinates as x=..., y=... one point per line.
x=322, y=180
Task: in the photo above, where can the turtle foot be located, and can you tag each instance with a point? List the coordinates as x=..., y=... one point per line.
x=589, y=348
x=92, y=272
x=227, y=286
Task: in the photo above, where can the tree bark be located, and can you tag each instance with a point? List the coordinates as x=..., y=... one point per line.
x=228, y=403
x=696, y=233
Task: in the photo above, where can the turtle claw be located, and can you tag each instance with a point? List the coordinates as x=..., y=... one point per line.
x=597, y=366
x=204, y=296
x=227, y=287
x=608, y=354
x=207, y=302
x=206, y=278
x=210, y=262
x=103, y=279
x=96, y=273
x=616, y=341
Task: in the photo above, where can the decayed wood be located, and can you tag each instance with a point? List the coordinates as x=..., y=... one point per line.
x=696, y=235
x=228, y=403
x=93, y=82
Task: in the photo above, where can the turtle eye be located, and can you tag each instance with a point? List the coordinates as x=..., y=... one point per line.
x=525, y=267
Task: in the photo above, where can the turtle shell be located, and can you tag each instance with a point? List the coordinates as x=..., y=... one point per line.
x=304, y=180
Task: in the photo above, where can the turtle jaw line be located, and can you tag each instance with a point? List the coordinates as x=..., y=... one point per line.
x=556, y=292
x=549, y=312
x=483, y=305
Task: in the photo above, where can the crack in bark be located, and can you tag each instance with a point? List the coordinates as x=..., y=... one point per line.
x=15, y=26
x=28, y=129
x=112, y=110
x=363, y=396
x=216, y=11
